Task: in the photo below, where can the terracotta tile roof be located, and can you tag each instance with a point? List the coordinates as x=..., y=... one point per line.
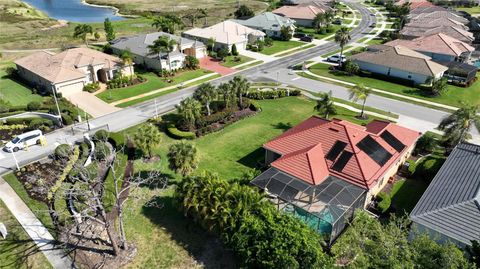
x=401, y=58
x=436, y=43
x=303, y=12
x=414, y=4
x=439, y=14
x=64, y=66
x=304, y=149
x=452, y=31
x=432, y=23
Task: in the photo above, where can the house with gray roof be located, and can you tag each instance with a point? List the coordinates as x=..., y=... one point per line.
x=138, y=47
x=449, y=210
x=269, y=23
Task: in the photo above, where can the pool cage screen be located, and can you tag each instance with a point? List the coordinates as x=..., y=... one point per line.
x=326, y=207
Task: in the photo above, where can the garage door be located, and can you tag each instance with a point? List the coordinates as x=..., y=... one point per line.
x=70, y=89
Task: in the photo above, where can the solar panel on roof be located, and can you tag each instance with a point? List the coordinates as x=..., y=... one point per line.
x=374, y=150
x=342, y=161
x=392, y=141
x=335, y=150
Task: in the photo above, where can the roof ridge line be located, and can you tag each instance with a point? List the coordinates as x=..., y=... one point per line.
x=356, y=158
x=434, y=211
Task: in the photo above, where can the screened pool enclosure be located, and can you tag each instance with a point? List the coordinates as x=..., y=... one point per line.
x=326, y=207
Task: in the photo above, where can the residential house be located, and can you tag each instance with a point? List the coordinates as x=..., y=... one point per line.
x=414, y=4
x=138, y=46
x=303, y=14
x=225, y=34
x=399, y=62
x=453, y=31
x=439, y=14
x=449, y=210
x=322, y=170
x=269, y=23
x=428, y=23
x=67, y=72
x=426, y=9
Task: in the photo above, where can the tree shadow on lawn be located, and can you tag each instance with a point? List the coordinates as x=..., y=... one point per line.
x=254, y=159
x=282, y=126
x=407, y=196
x=161, y=179
x=206, y=248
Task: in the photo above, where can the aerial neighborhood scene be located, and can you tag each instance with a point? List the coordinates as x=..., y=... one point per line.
x=240, y=134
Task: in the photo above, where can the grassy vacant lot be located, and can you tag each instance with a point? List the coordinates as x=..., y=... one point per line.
x=231, y=62
x=16, y=93
x=452, y=97
x=279, y=46
x=471, y=10
x=17, y=250
x=153, y=82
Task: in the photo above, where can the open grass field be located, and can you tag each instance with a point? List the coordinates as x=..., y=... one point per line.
x=153, y=82
x=453, y=96
x=17, y=250
x=16, y=93
x=279, y=46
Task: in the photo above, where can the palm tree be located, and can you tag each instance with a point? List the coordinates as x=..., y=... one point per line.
x=147, y=137
x=456, y=127
x=174, y=21
x=81, y=32
x=127, y=60
x=203, y=14
x=319, y=20
x=342, y=37
x=439, y=86
x=189, y=109
x=162, y=45
x=182, y=158
x=240, y=86
x=360, y=92
x=329, y=17
x=226, y=91
x=162, y=23
x=205, y=93
x=325, y=105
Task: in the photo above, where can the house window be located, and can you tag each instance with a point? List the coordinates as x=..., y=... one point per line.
x=175, y=63
x=409, y=76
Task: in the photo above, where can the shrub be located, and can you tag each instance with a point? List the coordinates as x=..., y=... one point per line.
x=38, y=122
x=173, y=132
x=191, y=62
x=273, y=94
x=84, y=150
x=68, y=167
x=428, y=168
x=62, y=151
x=10, y=121
x=268, y=41
x=234, y=50
x=66, y=119
x=384, y=202
x=255, y=106
x=426, y=143
x=34, y=106
x=101, y=135
x=92, y=87
x=101, y=150
x=117, y=140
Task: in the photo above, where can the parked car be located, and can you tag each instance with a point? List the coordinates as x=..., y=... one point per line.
x=373, y=25
x=337, y=21
x=336, y=58
x=24, y=140
x=299, y=35
x=306, y=38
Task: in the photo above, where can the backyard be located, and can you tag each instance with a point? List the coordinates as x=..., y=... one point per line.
x=153, y=82
x=15, y=92
x=453, y=96
x=279, y=46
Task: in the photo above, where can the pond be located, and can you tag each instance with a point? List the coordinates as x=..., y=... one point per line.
x=73, y=10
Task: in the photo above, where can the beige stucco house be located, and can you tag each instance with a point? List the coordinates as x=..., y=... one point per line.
x=69, y=71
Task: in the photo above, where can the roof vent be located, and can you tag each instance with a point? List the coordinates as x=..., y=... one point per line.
x=333, y=129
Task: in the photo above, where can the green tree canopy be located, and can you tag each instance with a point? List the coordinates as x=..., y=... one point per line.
x=457, y=126
x=109, y=30
x=205, y=93
x=190, y=110
x=183, y=157
x=81, y=31
x=359, y=92
x=146, y=138
x=325, y=105
x=244, y=11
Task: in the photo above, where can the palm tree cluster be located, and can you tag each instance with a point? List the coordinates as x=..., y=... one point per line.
x=81, y=32
x=168, y=23
x=457, y=126
x=229, y=94
x=182, y=158
x=260, y=235
x=162, y=45
x=323, y=20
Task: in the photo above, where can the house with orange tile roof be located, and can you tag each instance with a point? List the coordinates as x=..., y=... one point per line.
x=322, y=170
x=69, y=71
x=303, y=14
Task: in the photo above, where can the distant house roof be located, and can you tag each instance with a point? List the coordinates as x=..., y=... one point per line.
x=437, y=43
x=267, y=21
x=452, y=31
x=302, y=12
x=65, y=65
x=414, y=4
x=400, y=58
x=451, y=203
x=138, y=44
x=226, y=32
x=439, y=14
x=318, y=148
x=432, y=23
x=427, y=9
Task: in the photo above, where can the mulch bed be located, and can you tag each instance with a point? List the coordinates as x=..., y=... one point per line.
x=7, y=135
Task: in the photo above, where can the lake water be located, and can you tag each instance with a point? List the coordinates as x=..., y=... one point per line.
x=73, y=10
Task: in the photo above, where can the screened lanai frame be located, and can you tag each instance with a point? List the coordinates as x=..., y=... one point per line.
x=326, y=207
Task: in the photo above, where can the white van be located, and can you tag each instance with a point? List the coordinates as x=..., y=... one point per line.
x=26, y=139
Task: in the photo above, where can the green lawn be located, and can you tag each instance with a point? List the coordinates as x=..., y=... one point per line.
x=406, y=193
x=18, y=250
x=250, y=65
x=471, y=10
x=313, y=32
x=452, y=97
x=231, y=62
x=279, y=46
x=153, y=82
x=15, y=92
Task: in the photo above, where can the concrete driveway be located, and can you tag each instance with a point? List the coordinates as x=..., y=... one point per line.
x=91, y=104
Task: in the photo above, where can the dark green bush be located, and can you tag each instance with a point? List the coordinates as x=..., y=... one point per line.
x=173, y=132
x=117, y=140
x=34, y=106
x=101, y=150
x=427, y=168
x=273, y=94
x=255, y=106
x=39, y=122
x=63, y=151
x=84, y=150
x=92, y=87
x=384, y=202
x=66, y=119
x=101, y=135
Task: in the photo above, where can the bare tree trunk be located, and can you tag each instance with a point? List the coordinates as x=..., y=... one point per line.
x=53, y=214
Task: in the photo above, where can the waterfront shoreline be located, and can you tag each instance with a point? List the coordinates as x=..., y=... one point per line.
x=115, y=9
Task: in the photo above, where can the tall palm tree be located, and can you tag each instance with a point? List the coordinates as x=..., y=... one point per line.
x=226, y=91
x=329, y=17
x=174, y=21
x=189, y=109
x=162, y=45
x=182, y=157
x=241, y=86
x=147, y=137
x=127, y=60
x=342, y=37
x=319, y=20
x=456, y=127
x=359, y=92
x=205, y=93
x=325, y=105
x=439, y=86
x=162, y=23
x=81, y=32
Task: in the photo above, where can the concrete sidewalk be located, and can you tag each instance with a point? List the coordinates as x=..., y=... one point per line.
x=34, y=228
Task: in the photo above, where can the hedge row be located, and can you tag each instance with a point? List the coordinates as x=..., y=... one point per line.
x=177, y=134
x=68, y=167
x=260, y=95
